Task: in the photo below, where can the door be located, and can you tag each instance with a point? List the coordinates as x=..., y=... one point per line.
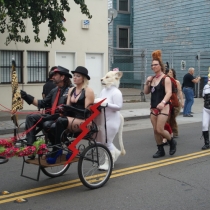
x=66, y=60
x=94, y=64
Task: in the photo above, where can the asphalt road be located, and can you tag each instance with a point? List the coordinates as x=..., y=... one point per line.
x=138, y=181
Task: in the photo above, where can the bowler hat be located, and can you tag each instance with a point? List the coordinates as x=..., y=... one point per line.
x=81, y=70
x=63, y=71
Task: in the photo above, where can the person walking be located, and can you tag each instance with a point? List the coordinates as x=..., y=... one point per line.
x=188, y=86
x=206, y=114
x=160, y=88
x=175, y=110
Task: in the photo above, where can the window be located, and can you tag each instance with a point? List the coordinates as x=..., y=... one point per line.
x=123, y=5
x=37, y=66
x=6, y=57
x=123, y=40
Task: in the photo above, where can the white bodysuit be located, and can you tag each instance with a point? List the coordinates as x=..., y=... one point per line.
x=113, y=120
x=206, y=112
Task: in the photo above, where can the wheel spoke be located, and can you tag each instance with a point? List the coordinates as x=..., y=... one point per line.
x=89, y=163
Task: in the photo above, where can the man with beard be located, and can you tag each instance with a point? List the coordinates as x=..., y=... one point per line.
x=56, y=97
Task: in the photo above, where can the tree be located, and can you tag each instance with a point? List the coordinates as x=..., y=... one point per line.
x=14, y=12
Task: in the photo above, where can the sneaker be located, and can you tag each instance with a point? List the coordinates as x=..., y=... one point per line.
x=187, y=115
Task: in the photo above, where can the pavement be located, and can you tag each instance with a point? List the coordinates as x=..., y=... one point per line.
x=133, y=109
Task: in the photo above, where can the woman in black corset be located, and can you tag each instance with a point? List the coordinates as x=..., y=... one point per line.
x=160, y=88
x=80, y=97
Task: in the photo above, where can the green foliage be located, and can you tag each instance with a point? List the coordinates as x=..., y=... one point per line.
x=38, y=142
x=13, y=15
x=2, y=149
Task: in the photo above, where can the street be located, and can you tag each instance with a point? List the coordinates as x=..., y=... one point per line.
x=138, y=181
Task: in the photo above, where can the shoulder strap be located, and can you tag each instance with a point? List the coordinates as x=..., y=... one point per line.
x=72, y=91
x=172, y=80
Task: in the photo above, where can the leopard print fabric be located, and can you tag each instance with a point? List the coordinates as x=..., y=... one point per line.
x=17, y=103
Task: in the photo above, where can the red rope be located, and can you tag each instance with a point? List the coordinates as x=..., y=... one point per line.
x=7, y=110
x=31, y=128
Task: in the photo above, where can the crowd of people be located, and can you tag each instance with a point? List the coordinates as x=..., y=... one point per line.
x=163, y=87
x=164, y=111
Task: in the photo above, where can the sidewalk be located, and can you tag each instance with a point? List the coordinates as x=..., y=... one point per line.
x=131, y=111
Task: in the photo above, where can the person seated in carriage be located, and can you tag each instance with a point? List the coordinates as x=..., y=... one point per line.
x=57, y=96
x=80, y=98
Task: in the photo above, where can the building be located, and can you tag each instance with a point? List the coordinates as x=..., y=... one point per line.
x=85, y=45
x=179, y=28
x=120, y=54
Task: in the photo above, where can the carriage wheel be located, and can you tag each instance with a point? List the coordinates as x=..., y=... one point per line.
x=58, y=170
x=20, y=134
x=55, y=171
x=3, y=160
x=88, y=166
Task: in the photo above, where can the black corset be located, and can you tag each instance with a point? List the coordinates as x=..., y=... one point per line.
x=207, y=101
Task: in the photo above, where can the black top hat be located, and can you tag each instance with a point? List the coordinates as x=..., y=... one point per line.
x=63, y=71
x=81, y=70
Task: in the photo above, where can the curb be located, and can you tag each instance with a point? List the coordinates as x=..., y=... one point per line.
x=136, y=117
x=11, y=130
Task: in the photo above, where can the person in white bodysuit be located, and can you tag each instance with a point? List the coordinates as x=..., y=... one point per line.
x=114, y=119
x=206, y=114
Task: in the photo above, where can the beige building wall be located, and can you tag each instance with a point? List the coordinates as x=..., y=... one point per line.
x=78, y=42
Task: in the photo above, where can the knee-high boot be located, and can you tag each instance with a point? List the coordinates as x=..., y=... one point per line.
x=206, y=140
x=61, y=125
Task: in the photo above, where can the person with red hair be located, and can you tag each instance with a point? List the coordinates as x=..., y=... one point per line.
x=160, y=88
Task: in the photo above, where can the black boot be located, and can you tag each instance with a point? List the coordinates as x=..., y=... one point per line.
x=160, y=152
x=61, y=125
x=206, y=140
x=172, y=144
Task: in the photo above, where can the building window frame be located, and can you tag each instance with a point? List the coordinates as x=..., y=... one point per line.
x=118, y=35
x=119, y=7
x=37, y=66
x=6, y=57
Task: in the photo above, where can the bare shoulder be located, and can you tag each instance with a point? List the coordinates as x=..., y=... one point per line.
x=167, y=80
x=89, y=90
x=166, y=77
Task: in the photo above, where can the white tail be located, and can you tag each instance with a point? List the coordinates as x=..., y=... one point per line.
x=123, y=152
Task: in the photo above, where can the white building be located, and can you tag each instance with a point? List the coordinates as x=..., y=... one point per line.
x=84, y=46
